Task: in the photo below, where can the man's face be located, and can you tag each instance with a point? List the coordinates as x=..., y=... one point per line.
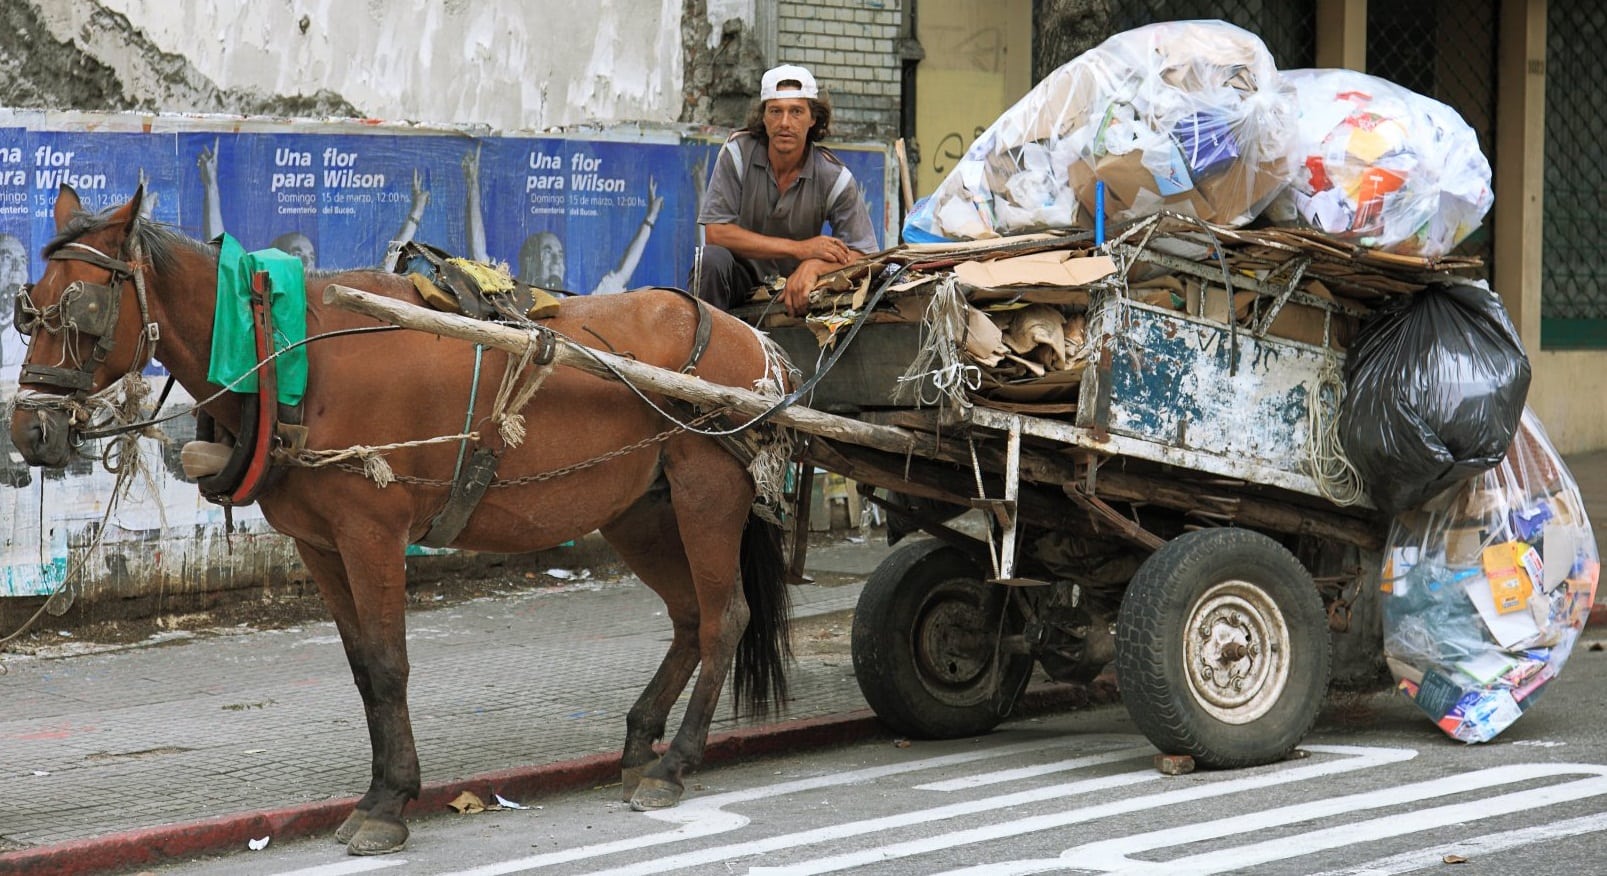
x=552, y=262
x=299, y=246
x=787, y=120
x=13, y=266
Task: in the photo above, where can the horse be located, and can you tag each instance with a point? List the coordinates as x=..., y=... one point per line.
x=678, y=511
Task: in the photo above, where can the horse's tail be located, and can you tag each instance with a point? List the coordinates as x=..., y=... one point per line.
x=759, y=674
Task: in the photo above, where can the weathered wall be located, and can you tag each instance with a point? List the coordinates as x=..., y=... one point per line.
x=528, y=66
x=506, y=67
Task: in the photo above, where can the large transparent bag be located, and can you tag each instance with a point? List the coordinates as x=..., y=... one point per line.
x=1487, y=588
x=1190, y=116
x=1381, y=166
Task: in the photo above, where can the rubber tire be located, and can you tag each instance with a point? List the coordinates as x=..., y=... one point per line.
x=1152, y=649
x=924, y=580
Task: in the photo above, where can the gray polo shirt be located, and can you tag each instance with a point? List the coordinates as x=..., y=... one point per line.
x=743, y=191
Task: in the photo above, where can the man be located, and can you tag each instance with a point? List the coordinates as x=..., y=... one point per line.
x=13, y=274
x=772, y=190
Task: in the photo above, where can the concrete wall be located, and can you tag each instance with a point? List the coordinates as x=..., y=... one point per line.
x=510, y=66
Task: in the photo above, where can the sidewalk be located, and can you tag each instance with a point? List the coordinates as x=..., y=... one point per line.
x=173, y=748
x=196, y=744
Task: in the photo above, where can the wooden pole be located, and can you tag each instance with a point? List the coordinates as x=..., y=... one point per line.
x=906, y=187
x=575, y=355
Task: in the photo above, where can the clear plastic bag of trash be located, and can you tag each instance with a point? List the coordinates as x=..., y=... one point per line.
x=1487, y=588
x=1189, y=116
x=1381, y=166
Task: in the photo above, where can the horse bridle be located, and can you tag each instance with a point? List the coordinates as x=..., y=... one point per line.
x=86, y=309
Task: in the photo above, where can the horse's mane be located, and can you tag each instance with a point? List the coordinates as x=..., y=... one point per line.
x=161, y=243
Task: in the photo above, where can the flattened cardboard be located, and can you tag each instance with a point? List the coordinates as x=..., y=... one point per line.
x=1051, y=268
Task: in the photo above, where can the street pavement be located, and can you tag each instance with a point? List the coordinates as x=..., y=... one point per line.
x=189, y=744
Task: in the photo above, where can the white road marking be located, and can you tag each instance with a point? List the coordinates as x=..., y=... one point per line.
x=703, y=816
x=361, y=865
x=1475, y=848
x=1111, y=856
x=976, y=781
x=1358, y=759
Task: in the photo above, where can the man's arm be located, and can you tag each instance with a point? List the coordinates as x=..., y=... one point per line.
x=211, y=204
x=753, y=245
x=415, y=215
x=615, y=280
x=817, y=255
x=473, y=220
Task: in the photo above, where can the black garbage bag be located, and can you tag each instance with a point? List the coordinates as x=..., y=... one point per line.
x=1434, y=388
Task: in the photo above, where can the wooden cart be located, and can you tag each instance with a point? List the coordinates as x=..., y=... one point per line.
x=1177, y=519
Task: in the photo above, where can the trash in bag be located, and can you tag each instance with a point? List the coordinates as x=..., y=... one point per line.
x=1381, y=166
x=1435, y=383
x=1190, y=116
x=1487, y=588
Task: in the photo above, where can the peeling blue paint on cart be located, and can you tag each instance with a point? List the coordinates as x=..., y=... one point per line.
x=1196, y=385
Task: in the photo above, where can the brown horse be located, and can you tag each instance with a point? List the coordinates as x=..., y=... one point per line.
x=677, y=511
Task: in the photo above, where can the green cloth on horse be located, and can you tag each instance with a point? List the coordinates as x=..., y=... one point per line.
x=234, y=345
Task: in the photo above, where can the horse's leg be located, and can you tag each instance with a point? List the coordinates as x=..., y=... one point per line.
x=330, y=575
x=645, y=537
x=711, y=494
x=369, y=612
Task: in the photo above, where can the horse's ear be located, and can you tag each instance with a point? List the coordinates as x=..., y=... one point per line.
x=129, y=212
x=66, y=205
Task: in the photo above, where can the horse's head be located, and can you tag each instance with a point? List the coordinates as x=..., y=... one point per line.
x=86, y=322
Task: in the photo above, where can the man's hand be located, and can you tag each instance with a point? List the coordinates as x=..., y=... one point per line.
x=795, y=295
x=826, y=249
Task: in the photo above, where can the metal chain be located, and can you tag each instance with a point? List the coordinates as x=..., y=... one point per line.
x=556, y=473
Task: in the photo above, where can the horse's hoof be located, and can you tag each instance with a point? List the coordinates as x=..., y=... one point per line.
x=350, y=826
x=655, y=794
x=378, y=836
x=629, y=779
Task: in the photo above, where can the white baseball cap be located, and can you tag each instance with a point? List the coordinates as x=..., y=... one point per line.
x=771, y=84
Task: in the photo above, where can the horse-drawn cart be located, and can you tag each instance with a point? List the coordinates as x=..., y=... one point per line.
x=1173, y=507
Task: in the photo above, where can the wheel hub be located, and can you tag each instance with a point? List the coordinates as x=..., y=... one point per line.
x=950, y=643
x=1237, y=652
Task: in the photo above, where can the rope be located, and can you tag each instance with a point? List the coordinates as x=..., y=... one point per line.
x=939, y=360
x=526, y=479
x=505, y=411
x=124, y=460
x=1337, y=479
x=374, y=466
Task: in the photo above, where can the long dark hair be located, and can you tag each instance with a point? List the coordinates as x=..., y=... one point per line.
x=819, y=106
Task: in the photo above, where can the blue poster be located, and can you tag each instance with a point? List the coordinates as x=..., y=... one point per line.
x=586, y=215
x=104, y=168
x=869, y=168
x=16, y=240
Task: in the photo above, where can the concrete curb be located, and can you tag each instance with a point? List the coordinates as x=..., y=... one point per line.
x=230, y=833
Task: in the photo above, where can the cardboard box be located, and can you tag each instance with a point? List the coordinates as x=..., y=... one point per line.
x=1052, y=268
x=1131, y=190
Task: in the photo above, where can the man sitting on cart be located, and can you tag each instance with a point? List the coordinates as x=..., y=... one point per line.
x=773, y=189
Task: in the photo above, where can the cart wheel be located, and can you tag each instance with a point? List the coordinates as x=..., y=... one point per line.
x=926, y=644
x=1222, y=648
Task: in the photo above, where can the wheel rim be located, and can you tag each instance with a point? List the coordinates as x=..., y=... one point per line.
x=954, y=642
x=1236, y=648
